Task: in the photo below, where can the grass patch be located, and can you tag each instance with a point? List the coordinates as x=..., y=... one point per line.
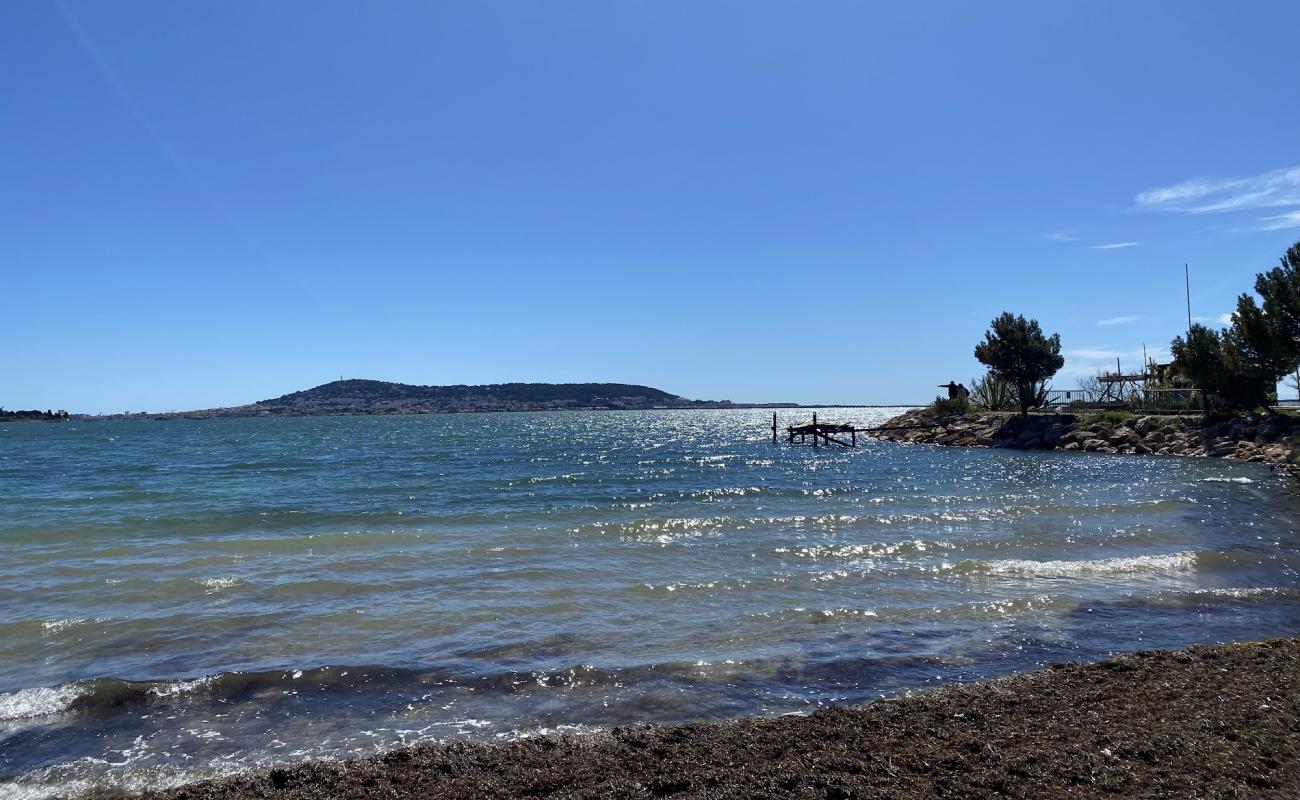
x=1105, y=418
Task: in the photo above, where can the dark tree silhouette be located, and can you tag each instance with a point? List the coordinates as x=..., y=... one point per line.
x=1016, y=351
x=1269, y=333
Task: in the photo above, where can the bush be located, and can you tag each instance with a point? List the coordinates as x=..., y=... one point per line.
x=946, y=407
x=991, y=393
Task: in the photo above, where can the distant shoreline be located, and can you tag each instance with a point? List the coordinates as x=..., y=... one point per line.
x=226, y=413
x=364, y=397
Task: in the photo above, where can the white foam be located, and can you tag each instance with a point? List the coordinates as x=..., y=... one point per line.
x=1239, y=594
x=217, y=584
x=180, y=687
x=1227, y=480
x=1167, y=562
x=53, y=626
x=37, y=701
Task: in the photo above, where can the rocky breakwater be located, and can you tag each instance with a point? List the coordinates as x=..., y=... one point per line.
x=1265, y=438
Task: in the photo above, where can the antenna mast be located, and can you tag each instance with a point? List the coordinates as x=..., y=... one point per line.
x=1187, y=282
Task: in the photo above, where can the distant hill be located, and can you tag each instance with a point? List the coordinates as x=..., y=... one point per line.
x=381, y=397
x=371, y=397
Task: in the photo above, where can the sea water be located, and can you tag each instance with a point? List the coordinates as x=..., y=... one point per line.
x=185, y=599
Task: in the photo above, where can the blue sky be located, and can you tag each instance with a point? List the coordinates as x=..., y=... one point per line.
x=210, y=203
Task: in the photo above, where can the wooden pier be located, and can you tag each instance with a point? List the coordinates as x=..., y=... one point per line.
x=822, y=433
x=829, y=433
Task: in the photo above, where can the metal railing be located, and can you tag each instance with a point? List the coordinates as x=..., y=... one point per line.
x=1147, y=399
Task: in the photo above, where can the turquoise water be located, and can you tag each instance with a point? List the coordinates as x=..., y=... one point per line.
x=190, y=598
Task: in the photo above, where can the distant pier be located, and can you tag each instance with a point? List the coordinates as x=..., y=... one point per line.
x=826, y=434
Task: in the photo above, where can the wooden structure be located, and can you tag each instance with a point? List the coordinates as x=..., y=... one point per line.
x=1120, y=388
x=1115, y=389
x=829, y=433
x=826, y=433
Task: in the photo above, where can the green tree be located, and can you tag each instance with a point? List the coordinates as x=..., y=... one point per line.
x=1016, y=351
x=1200, y=357
x=1268, y=333
x=1223, y=364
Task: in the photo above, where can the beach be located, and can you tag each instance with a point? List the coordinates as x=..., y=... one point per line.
x=1210, y=721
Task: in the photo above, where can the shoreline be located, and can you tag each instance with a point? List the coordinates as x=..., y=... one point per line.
x=1211, y=720
x=238, y=413
x=1272, y=439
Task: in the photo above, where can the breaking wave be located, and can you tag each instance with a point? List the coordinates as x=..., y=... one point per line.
x=1167, y=562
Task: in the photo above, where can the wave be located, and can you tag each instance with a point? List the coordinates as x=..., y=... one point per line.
x=38, y=701
x=106, y=697
x=1164, y=562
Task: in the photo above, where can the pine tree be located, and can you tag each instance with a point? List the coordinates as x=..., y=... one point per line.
x=1270, y=333
x=1016, y=351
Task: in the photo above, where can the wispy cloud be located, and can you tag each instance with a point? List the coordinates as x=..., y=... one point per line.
x=1291, y=219
x=1056, y=236
x=1087, y=361
x=1224, y=319
x=1120, y=320
x=1115, y=245
x=1091, y=354
x=1201, y=195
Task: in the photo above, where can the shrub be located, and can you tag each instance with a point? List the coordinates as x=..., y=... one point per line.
x=945, y=407
x=991, y=393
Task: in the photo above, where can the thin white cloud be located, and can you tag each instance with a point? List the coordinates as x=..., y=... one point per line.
x=1120, y=320
x=1115, y=245
x=1222, y=319
x=1085, y=361
x=1291, y=219
x=1090, y=354
x=1225, y=319
x=1201, y=195
x=1062, y=237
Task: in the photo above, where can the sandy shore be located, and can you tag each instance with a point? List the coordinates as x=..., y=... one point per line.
x=1214, y=721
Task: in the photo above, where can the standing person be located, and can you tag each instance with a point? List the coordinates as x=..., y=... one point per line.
x=953, y=392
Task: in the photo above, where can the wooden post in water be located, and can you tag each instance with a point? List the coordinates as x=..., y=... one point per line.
x=814, y=429
x=773, y=427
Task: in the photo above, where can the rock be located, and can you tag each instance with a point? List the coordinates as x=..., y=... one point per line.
x=1072, y=446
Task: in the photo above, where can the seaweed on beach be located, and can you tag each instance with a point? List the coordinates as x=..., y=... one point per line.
x=1211, y=721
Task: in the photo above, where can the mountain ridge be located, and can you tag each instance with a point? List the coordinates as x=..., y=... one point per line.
x=357, y=392
x=362, y=396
